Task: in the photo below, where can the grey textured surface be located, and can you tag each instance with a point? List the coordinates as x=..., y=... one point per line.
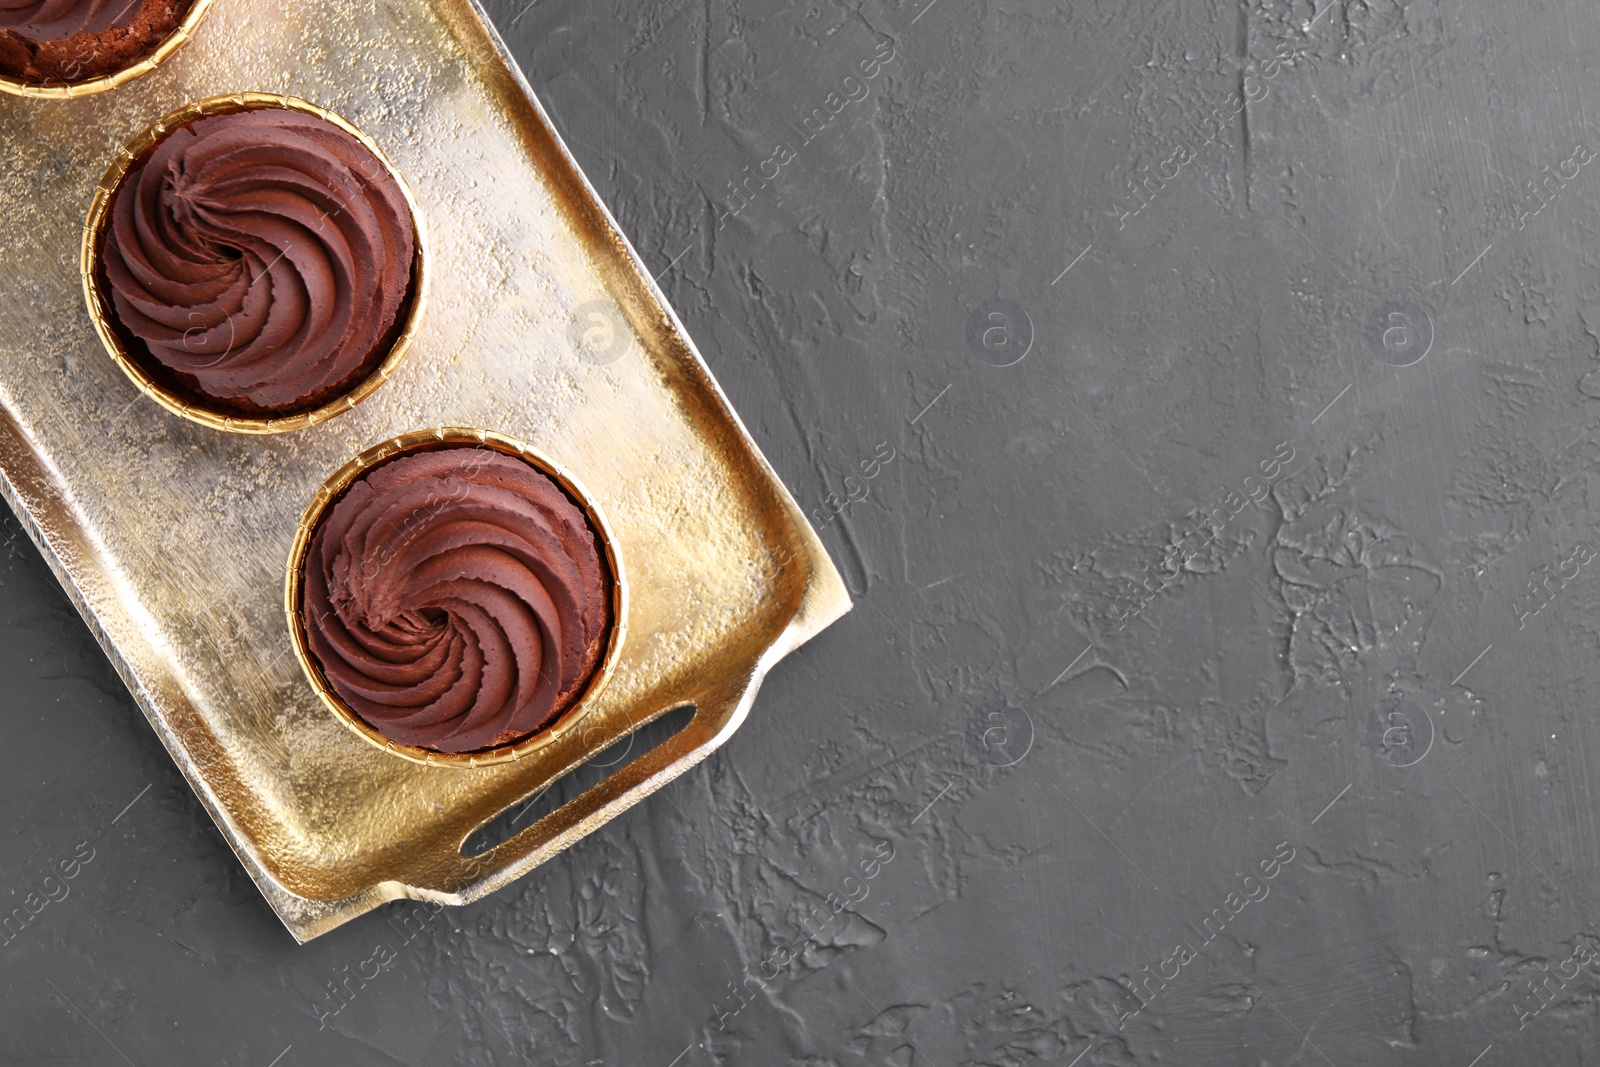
x=1073, y=722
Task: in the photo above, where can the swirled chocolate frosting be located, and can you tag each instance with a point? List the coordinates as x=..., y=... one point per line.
x=50, y=41
x=263, y=258
x=456, y=600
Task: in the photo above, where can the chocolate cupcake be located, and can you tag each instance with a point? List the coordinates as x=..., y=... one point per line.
x=64, y=45
x=257, y=265
x=454, y=600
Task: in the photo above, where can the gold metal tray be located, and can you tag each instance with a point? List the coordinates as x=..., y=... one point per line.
x=172, y=537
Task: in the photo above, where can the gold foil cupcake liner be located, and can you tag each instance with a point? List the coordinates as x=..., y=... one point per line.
x=104, y=317
x=70, y=90
x=427, y=440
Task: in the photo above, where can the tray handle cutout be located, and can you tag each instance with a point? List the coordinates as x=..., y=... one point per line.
x=594, y=769
x=716, y=715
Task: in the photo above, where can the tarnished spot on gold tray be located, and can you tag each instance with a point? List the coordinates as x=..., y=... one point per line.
x=172, y=537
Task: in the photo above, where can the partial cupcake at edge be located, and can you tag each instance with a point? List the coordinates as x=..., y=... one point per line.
x=256, y=266
x=455, y=599
x=65, y=43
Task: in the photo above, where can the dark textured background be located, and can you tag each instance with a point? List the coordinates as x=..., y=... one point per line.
x=1066, y=797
